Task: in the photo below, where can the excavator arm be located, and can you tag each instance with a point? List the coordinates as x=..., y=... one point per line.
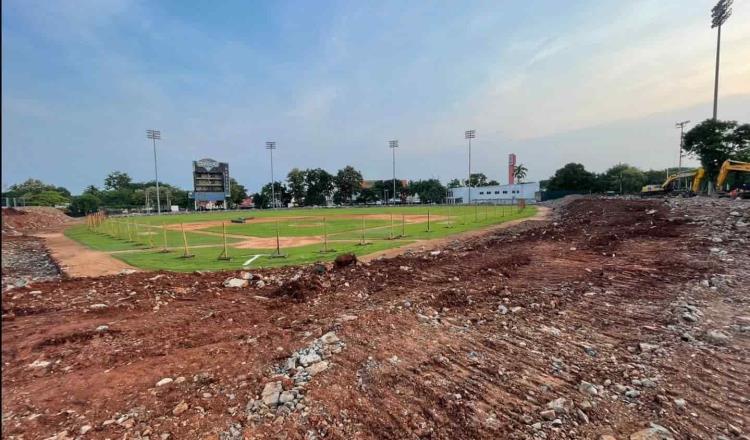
x=697, y=180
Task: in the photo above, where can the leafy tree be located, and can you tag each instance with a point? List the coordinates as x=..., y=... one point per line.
x=92, y=189
x=455, y=183
x=261, y=201
x=714, y=141
x=493, y=183
x=121, y=198
x=622, y=178
x=383, y=190
x=296, y=182
x=47, y=198
x=348, y=181
x=33, y=187
x=117, y=180
x=367, y=195
x=519, y=172
x=84, y=204
x=654, y=177
x=478, y=179
x=280, y=191
x=320, y=184
x=572, y=177
x=237, y=191
x=430, y=190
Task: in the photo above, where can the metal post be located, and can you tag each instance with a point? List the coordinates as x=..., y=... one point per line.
x=270, y=146
x=716, y=77
x=681, y=125
x=393, y=145
x=154, y=135
x=719, y=15
x=469, y=134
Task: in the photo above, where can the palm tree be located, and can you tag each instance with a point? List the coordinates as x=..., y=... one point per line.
x=519, y=172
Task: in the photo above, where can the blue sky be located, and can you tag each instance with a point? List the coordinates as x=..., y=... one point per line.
x=597, y=82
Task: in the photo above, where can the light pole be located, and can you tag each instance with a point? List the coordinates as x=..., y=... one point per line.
x=270, y=146
x=681, y=126
x=719, y=15
x=393, y=145
x=469, y=134
x=154, y=135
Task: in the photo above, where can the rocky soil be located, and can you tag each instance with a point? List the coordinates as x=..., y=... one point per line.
x=26, y=260
x=624, y=319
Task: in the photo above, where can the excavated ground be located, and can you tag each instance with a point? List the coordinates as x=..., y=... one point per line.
x=614, y=315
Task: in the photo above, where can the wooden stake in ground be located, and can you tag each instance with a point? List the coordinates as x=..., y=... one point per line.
x=150, y=238
x=428, y=220
x=278, y=253
x=362, y=240
x=164, y=248
x=225, y=253
x=130, y=234
x=325, y=238
x=186, y=253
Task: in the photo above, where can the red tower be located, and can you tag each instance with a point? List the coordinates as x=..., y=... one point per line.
x=511, y=168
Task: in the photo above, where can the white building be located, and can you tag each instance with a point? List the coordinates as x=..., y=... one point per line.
x=498, y=194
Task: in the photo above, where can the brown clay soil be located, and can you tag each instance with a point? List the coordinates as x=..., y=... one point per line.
x=17, y=221
x=585, y=313
x=76, y=260
x=270, y=242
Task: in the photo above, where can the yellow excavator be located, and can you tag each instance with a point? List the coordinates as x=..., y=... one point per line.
x=697, y=176
x=741, y=190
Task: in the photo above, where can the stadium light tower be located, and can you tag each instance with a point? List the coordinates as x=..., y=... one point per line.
x=270, y=146
x=154, y=135
x=469, y=134
x=681, y=126
x=719, y=15
x=393, y=145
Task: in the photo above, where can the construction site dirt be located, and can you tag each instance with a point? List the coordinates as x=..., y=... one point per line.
x=615, y=317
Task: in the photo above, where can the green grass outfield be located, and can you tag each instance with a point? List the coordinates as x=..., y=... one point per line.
x=139, y=245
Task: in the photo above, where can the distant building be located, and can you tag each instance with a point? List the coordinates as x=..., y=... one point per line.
x=497, y=194
x=211, y=189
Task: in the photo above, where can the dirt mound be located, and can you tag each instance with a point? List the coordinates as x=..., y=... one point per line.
x=536, y=331
x=17, y=221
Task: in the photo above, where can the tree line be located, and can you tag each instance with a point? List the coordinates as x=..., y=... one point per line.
x=318, y=187
x=712, y=142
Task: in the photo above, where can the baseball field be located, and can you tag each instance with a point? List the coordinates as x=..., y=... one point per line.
x=266, y=238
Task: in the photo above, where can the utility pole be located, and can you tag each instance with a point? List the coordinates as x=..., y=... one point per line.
x=681, y=126
x=270, y=146
x=393, y=145
x=154, y=135
x=719, y=15
x=469, y=134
